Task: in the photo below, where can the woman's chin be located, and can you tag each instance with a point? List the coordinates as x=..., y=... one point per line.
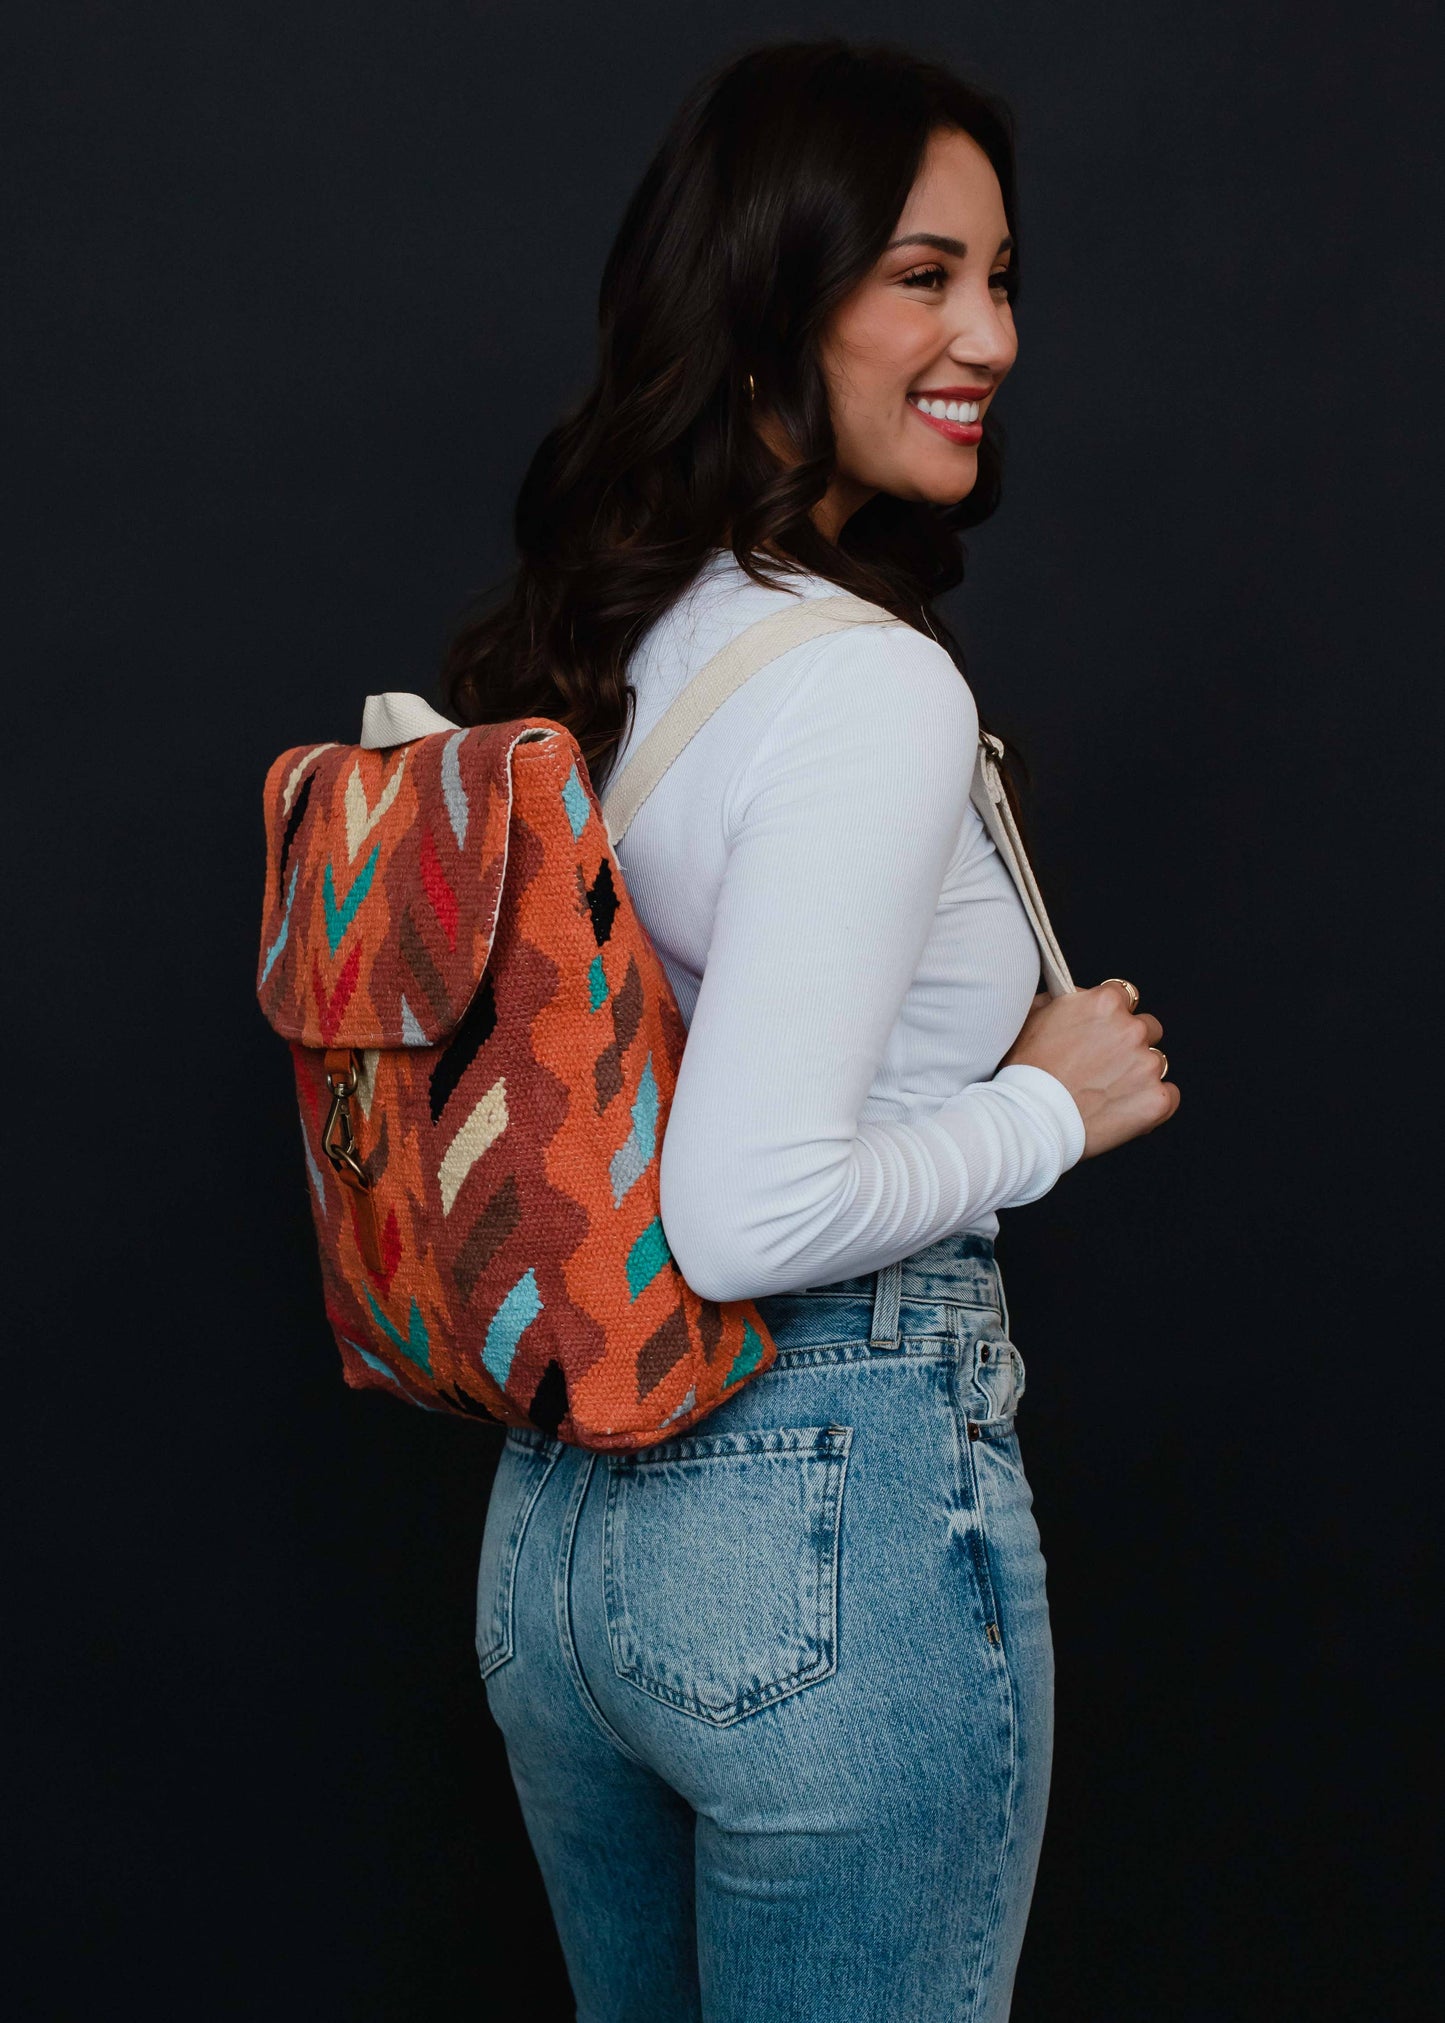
x=933, y=487
x=948, y=490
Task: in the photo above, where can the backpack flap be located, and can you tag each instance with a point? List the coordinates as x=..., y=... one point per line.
x=384, y=874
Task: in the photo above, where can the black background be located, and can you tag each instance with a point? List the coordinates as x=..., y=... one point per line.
x=299, y=288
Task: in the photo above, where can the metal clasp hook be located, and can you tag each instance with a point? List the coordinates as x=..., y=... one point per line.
x=338, y=1140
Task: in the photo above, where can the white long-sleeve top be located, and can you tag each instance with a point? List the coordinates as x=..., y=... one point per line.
x=847, y=949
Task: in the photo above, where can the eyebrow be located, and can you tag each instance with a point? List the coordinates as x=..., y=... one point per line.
x=942, y=245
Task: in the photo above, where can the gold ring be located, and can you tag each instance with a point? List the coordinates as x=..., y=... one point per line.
x=1163, y=1061
x=1124, y=982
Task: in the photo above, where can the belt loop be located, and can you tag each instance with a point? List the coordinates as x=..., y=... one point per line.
x=886, y=1294
x=1002, y=1297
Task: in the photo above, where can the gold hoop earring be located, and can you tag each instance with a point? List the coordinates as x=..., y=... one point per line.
x=751, y=389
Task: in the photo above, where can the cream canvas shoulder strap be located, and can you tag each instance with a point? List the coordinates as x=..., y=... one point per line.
x=988, y=796
x=751, y=650
x=743, y=656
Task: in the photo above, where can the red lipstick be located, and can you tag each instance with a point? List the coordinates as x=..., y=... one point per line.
x=951, y=431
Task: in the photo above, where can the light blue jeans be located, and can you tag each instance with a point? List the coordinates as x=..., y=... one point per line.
x=777, y=1694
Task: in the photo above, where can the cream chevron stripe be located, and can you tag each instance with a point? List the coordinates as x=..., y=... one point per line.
x=361, y=820
x=483, y=1128
x=455, y=794
x=366, y=1080
x=293, y=778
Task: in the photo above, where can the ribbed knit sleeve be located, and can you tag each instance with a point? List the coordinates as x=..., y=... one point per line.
x=840, y=825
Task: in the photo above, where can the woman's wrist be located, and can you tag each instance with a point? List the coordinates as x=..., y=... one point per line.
x=1044, y=1091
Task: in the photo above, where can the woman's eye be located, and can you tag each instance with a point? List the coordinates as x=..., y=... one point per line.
x=937, y=277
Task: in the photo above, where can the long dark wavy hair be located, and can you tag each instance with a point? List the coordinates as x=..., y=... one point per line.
x=771, y=197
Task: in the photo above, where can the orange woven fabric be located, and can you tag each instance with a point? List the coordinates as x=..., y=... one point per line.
x=446, y=922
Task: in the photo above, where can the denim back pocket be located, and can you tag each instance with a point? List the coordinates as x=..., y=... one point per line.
x=527, y=1460
x=721, y=1567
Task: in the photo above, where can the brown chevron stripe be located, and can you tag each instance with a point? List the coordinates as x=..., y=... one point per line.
x=492, y=1227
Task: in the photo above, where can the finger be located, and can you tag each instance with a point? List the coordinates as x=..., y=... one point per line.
x=1157, y=1107
x=1129, y=990
x=1150, y=1027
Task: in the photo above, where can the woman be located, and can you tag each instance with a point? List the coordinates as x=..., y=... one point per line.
x=777, y=1695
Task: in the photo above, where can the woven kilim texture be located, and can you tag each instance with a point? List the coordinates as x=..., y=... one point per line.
x=450, y=917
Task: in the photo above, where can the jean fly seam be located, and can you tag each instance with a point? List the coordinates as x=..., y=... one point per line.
x=971, y=1484
x=977, y=1546
x=991, y=1923
x=562, y=1601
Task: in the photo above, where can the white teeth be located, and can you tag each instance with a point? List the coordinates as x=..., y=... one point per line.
x=947, y=410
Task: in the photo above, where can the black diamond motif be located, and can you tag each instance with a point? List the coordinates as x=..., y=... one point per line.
x=293, y=823
x=603, y=902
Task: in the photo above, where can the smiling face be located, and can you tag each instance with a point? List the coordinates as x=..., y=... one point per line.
x=918, y=350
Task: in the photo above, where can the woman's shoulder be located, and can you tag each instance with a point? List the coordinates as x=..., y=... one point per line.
x=860, y=723
x=887, y=684
x=888, y=675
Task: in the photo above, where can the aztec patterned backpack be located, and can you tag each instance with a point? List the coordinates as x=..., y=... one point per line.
x=486, y=1045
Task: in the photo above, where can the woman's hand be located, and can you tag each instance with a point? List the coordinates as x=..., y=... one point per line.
x=1103, y=1054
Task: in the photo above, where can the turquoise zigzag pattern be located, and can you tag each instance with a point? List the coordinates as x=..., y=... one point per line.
x=280, y=942
x=633, y=1156
x=416, y=1345
x=339, y=916
x=511, y=1320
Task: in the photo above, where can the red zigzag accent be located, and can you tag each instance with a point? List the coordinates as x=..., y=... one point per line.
x=441, y=895
x=303, y=1083
x=390, y=1249
x=331, y=1010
